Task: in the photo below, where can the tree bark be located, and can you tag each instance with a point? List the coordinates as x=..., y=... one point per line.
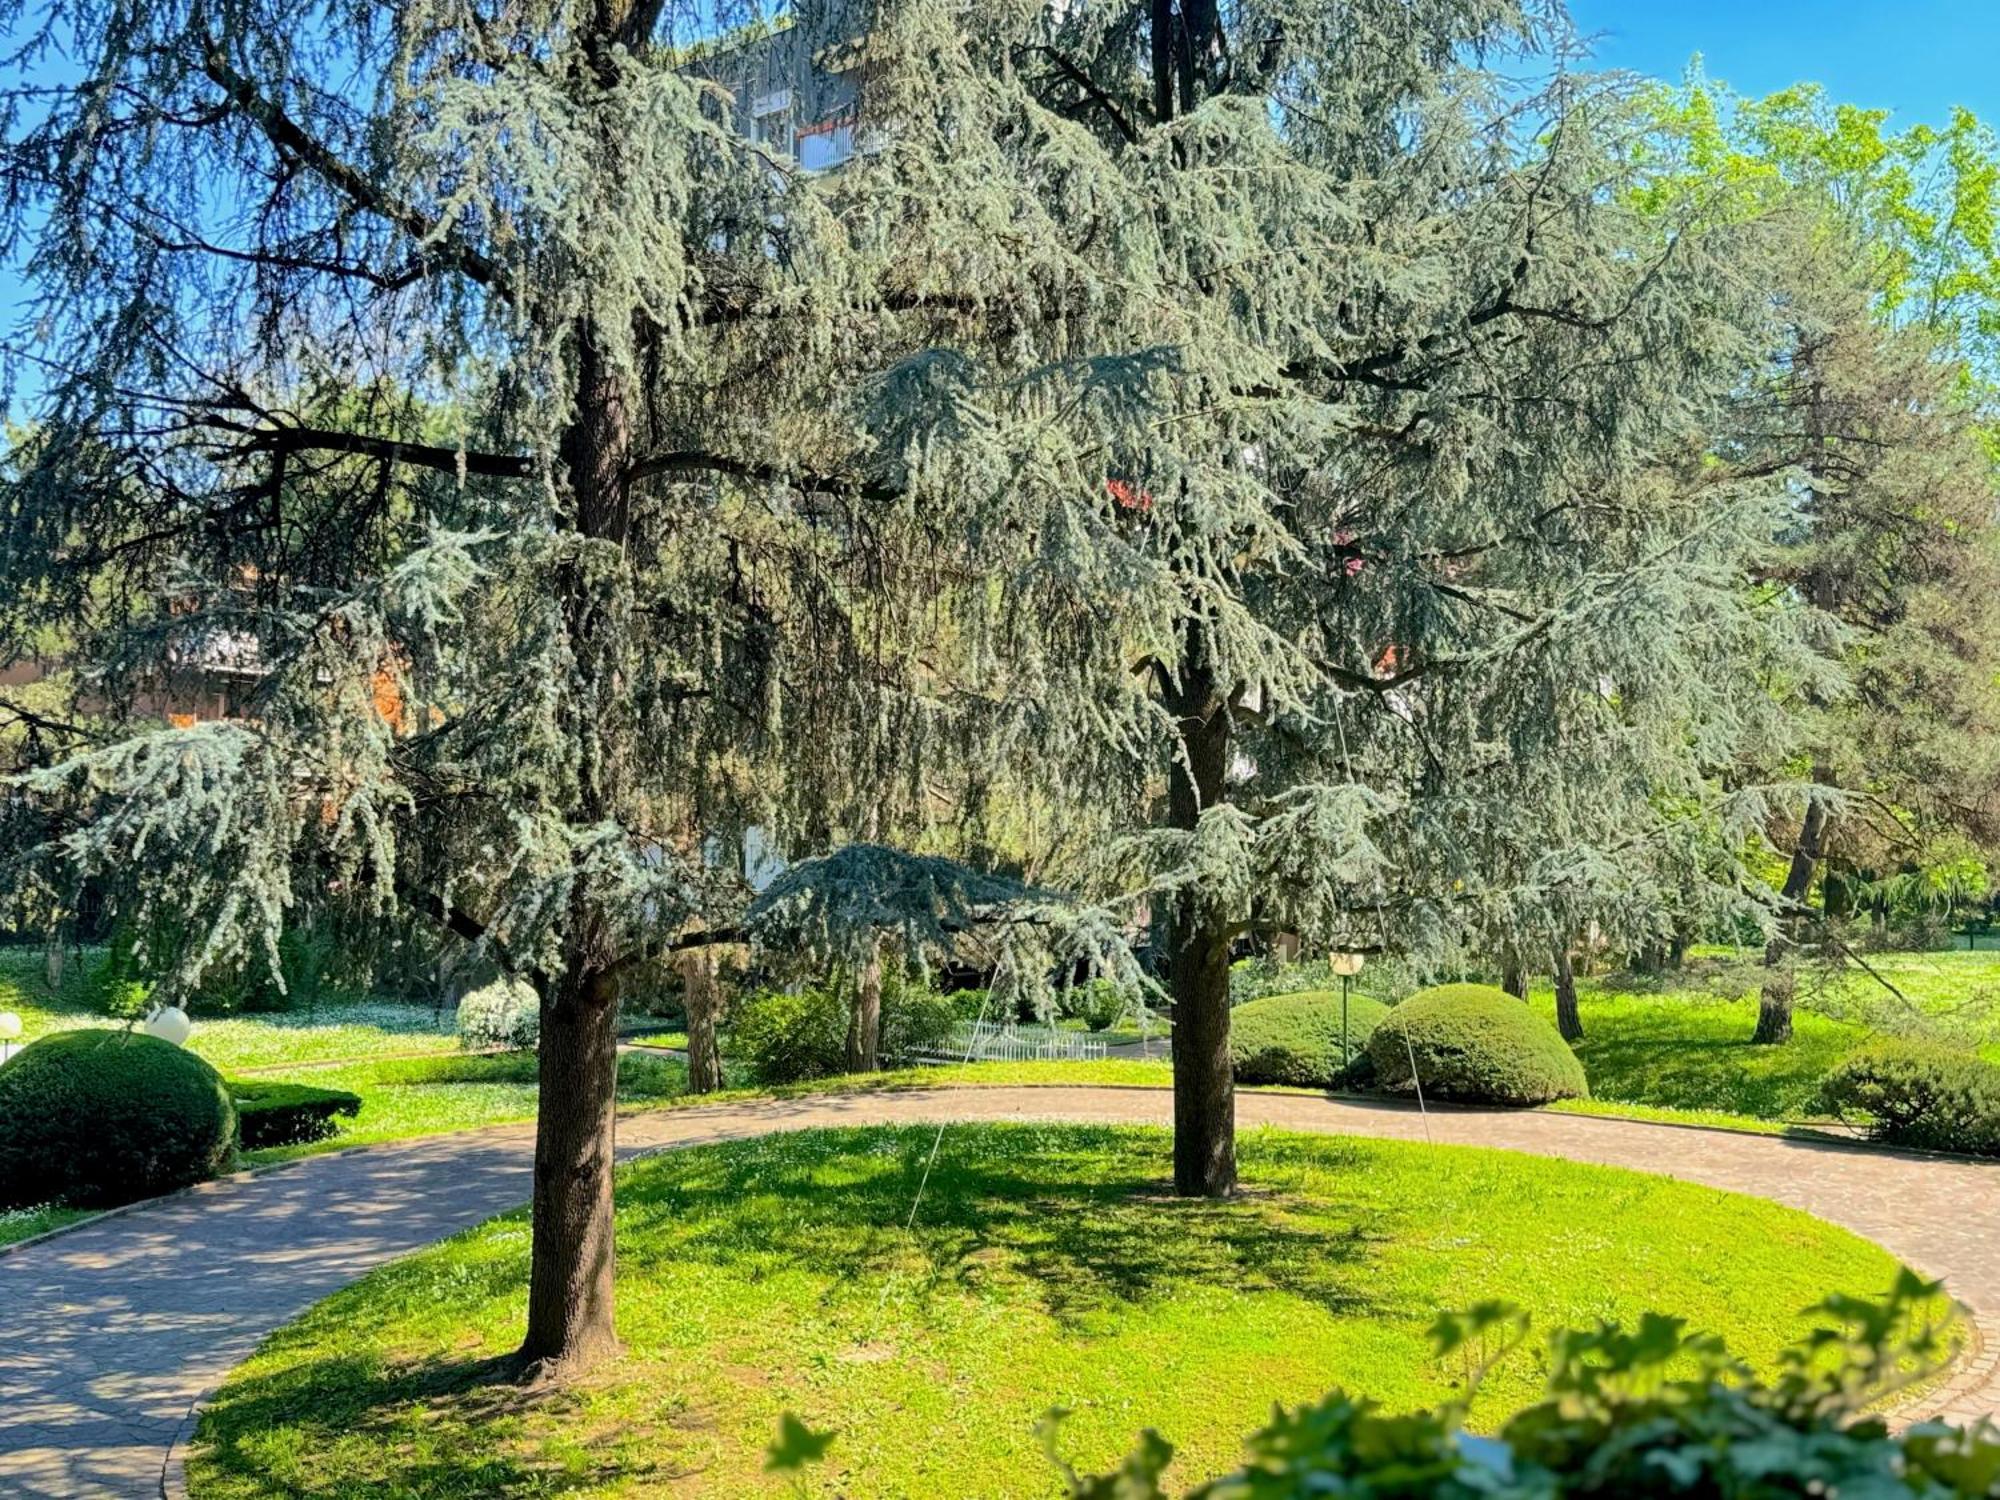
x=1774, y=1003
x=1199, y=934
x=572, y=1264
x=1204, y=1079
x=864, y=1031
x=1568, y=1022
x=1513, y=979
x=703, y=999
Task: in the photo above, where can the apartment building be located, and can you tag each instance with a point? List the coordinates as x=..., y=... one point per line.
x=798, y=93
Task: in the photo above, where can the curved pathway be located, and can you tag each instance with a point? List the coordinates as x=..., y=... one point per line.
x=110, y=1333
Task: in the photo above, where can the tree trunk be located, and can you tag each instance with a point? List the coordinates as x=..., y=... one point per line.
x=570, y=1322
x=864, y=1032
x=1774, y=1007
x=1568, y=1022
x=1204, y=1080
x=1513, y=980
x=1774, y=1004
x=703, y=999
x=1199, y=934
x=570, y=1308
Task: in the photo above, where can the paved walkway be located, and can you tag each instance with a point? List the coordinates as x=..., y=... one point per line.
x=110, y=1333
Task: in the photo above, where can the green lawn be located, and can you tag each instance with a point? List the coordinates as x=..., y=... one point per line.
x=1048, y=1267
x=1691, y=1052
x=1682, y=1042
x=348, y=1030
x=431, y=1095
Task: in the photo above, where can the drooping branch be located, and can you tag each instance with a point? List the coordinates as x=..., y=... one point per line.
x=462, y=924
x=294, y=142
x=283, y=439
x=1096, y=95
x=288, y=440
x=659, y=465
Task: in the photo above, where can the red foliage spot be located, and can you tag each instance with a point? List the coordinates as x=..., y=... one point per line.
x=1127, y=496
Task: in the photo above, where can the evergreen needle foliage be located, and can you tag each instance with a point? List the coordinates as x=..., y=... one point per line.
x=1277, y=406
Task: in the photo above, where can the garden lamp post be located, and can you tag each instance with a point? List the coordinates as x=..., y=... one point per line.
x=1346, y=965
x=10, y=1030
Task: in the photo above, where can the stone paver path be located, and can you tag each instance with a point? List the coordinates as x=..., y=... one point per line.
x=110, y=1334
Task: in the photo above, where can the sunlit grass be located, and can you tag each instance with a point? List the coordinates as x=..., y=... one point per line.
x=334, y=1031
x=1048, y=1266
x=432, y=1095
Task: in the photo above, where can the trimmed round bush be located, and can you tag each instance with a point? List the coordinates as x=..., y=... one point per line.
x=96, y=1118
x=1920, y=1094
x=505, y=1013
x=1295, y=1039
x=1475, y=1043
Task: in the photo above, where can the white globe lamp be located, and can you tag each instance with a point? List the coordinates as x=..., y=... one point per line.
x=170, y=1024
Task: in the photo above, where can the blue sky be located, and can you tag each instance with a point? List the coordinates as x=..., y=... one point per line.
x=1917, y=57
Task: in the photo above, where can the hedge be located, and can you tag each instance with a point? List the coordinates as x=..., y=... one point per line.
x=1474, y=1043
x=94, y=1118
x=287, y=1114
x=1921, y=1094
x=1295, y=1039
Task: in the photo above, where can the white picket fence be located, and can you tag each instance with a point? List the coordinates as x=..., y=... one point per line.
x=992, y=1042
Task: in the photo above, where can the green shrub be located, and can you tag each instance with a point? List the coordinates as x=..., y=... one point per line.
x=970, y=1005
x=1475, y=1043
x=94, y=1118
x=1920, y=1094
x=505, y=1013
x=287, y=1114
x=789, y=1036
x=1099, y=1003
x=915, y=1019
x=1295, y=1039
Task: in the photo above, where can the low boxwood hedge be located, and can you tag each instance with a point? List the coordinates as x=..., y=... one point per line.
x=94, y=1118
x=1923, y=1094
x=1474, y=1043
x=287, y=1114
x=1295, y=1039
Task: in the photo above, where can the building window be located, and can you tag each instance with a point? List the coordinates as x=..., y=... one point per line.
x=826, y=144
x=771, y=121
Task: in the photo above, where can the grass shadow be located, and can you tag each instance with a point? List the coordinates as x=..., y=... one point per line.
x=1065, y=1216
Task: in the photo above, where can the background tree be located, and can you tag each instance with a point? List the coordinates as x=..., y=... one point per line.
x=450, y=353
x=1883, y=396
x=1387, y=421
